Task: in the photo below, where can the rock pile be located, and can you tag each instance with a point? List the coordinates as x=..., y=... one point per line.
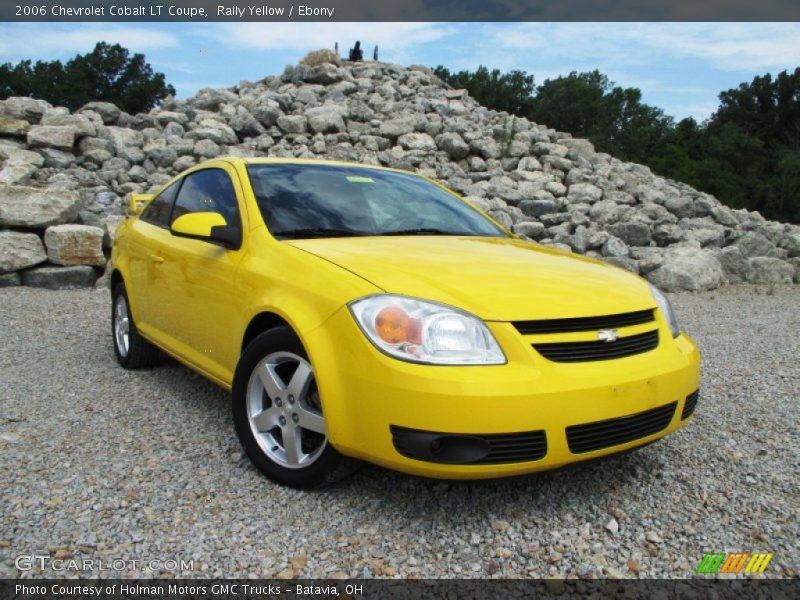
x=65, y=177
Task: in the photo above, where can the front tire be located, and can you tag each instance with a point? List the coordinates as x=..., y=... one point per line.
x=278, y=414
x=131, y=349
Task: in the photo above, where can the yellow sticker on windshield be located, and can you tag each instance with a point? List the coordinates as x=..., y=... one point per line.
x=356, y=179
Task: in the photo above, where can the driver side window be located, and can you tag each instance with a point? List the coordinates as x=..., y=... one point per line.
x=209, y=190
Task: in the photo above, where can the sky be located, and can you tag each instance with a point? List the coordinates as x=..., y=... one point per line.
x=680, y=67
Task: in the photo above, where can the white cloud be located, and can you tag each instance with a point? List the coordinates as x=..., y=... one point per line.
x=302, y=37
x=20, y=41
x=728, y=46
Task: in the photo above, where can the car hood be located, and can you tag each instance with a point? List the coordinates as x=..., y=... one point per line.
x=497, y=279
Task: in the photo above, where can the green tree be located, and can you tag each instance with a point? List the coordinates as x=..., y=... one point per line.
x=614, y=118
x=747, y=154
x=510, y=92
x=108, y=73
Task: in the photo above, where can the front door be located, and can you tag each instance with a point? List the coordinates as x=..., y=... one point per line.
x=201, y=308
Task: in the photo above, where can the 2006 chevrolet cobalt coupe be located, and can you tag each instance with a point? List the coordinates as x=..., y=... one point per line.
x=366, y=313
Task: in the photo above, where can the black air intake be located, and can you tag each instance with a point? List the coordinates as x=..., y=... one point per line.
x=603, y=434
x=474, y=449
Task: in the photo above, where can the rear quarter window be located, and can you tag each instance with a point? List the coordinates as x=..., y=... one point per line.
x=157, y=211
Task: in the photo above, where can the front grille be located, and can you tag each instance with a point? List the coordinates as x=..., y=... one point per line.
x=473, y=448
x=602, y=434
x=689, y=405
x=585, y=323
x=599, y=350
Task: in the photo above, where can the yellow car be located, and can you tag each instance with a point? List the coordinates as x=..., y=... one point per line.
x=362, y=313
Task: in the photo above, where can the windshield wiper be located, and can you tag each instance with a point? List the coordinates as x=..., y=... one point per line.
x=423, y=231
x=317, y=232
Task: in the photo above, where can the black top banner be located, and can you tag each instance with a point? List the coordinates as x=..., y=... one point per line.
x=402, y=10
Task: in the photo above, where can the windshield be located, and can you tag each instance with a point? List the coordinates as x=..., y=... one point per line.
x=305, y=201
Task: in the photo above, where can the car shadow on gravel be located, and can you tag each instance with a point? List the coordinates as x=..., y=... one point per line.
x=580, y=485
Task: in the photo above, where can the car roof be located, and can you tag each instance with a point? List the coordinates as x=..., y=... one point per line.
x=272, y=160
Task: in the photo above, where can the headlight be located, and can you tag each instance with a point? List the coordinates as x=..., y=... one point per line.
x=666, y=308
x=426, y=332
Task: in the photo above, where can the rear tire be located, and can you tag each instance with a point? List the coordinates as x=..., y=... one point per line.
x=131, y=349
x=278, y=414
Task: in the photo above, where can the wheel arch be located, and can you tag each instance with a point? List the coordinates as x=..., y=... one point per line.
x=261, y=322
x=116, y=279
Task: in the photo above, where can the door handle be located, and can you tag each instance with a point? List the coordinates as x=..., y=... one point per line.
x=156, y=259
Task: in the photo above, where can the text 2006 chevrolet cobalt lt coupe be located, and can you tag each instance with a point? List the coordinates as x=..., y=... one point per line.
x=366, y=313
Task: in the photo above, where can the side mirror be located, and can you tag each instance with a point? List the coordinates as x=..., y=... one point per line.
x=208, y=227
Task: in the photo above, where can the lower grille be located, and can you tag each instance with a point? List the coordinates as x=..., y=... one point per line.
x=603, y=434
x=599, y=350
x=690, y=404
x=474, y=449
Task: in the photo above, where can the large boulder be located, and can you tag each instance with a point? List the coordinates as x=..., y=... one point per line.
x=687, y=268
x=791, y=243
x=22, y=206
x=108, y=112
x=753, y=244
x=734, y=264
x=245, y=124
x=394, y=128
x=206, y=149
x=110, y=225
x=680, y=206
x=75, y=245
x=215, y=131
x=98, y=150
x=24, y=108
x=767, y=270
x=416, y=141
x=325, y=119
x=20, y=250
x=531, y=229
x=292, y=123
x=584, y=192
x=539, y=207
x=212, y=99
x=80, y=123
x=10, y=127
x=615, y=248
x=10, y=279
x=24, y=157
x=122, y=138
x=267, y=112
x=326, y=73
x=12, y=174
x=60, y=278
x=454, y=145
x=633, y=234
x=61, y=137
x=578, y=148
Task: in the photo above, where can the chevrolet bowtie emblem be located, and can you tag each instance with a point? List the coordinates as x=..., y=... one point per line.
x=608, y=335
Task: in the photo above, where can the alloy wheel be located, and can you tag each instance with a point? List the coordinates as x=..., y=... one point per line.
x=122, y=325
x=284, y=410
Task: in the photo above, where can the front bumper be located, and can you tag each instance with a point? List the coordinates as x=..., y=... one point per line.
x=367, y=396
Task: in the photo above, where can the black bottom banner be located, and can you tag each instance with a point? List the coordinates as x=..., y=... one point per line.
x=255, y=589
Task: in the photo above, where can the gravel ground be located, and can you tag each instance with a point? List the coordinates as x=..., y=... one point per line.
x=102, y=463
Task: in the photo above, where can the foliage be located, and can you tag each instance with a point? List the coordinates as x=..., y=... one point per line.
x=747, y=154
x=108, y=73
x=510, y=91
x=509, y=131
